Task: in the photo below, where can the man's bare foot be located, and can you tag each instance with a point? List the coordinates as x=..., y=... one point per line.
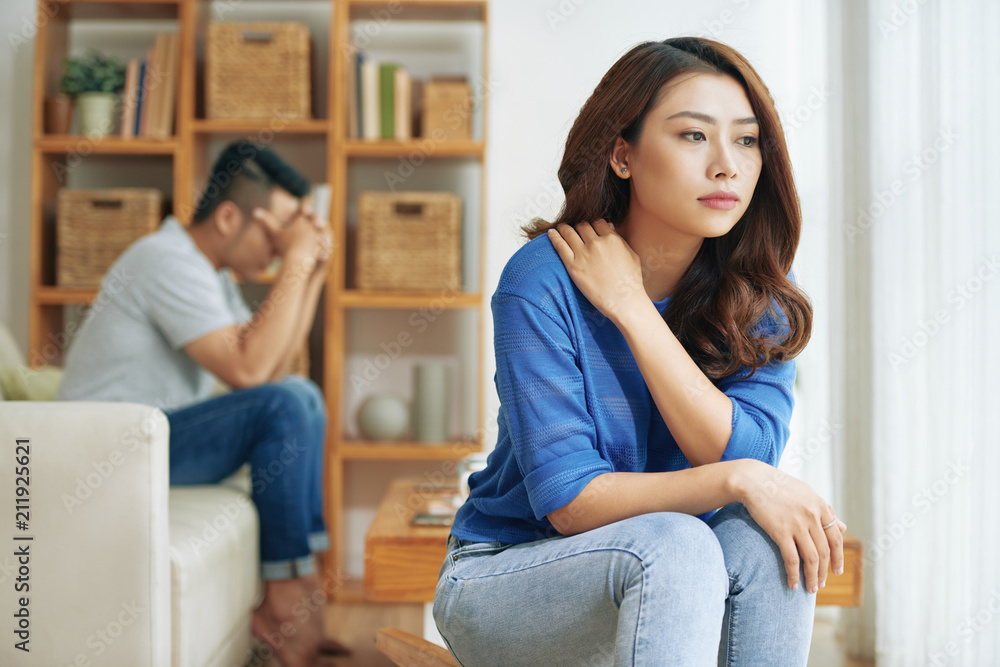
x=275, y=622
x=314, y=600
x=330, y=646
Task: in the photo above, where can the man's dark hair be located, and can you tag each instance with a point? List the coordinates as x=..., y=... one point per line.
x=246, y=174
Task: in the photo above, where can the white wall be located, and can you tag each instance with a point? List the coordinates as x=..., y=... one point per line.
x=16, y=17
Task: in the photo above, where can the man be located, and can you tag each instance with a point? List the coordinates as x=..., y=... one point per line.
x=172, y=321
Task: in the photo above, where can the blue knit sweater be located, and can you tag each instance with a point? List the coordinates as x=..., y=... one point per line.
x=573, y=405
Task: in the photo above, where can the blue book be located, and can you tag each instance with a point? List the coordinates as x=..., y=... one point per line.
x=359, y=58
x=140, y=95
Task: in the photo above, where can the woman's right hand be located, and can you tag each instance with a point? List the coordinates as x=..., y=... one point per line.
x=793, y=515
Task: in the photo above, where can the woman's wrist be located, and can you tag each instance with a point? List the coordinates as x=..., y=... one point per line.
x=634, y=315
x=738, y=479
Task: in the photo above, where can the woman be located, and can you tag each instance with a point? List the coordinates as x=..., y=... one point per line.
x=644, y=367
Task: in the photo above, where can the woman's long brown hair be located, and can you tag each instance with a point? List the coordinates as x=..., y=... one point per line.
x=735, y=280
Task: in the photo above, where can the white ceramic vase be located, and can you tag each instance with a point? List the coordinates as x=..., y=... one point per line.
x=97, y=113
x=431, y=400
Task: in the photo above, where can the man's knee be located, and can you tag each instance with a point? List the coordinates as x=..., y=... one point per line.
x=297, y=400
x=308, y=391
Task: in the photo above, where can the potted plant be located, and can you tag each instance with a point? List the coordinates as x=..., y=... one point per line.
x=94, y=80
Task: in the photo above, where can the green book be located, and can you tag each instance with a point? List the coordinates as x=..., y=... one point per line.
x=387, y=99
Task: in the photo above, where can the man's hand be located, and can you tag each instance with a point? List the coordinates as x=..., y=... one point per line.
x=325, y=248
x=305, y=240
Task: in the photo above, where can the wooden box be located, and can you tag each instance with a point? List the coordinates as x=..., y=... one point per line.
x=257, y=71
x=402, y=561
x=94, y=227
x=409, y=241
x=446, y=113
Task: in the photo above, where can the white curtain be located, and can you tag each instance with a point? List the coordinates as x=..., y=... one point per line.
x=920, y=307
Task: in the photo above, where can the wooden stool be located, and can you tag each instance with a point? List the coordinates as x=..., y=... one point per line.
x=847, y=589
x=408, y=650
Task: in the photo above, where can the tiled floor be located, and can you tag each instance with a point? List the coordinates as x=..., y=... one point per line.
x=355, y=626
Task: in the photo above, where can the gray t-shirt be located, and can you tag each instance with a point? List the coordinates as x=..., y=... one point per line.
x=160, y=295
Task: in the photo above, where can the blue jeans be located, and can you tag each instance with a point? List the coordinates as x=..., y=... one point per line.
x=279, y=429
x=655, y=589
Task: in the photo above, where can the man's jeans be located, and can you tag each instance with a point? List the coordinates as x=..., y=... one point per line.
x=279, y=429
x=655, y=589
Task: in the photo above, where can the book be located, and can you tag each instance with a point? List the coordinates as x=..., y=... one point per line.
x=319, y=197
x=425, y=519
x=165, y=118
x=130, y=97
x=158, y=60
x=147, y=90
x=351, y=92
x=416, y=104
x=360, y=58
x=403, y=105
x=140, y=94
x=370, y=122
x=387, y=99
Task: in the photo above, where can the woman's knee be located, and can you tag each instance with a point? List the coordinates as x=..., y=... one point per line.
x=749, y=551
x=735, y=528
x=678, y=550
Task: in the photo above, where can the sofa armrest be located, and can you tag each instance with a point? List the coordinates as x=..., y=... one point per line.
x=94, y=587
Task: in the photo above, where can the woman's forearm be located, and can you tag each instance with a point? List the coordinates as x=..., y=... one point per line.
x=698, y=415
x=615, y=496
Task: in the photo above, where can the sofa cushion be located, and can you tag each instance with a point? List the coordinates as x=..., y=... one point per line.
x=20, y=383
x=214, y=571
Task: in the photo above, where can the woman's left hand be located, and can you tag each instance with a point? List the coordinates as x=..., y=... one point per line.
x=602, y=265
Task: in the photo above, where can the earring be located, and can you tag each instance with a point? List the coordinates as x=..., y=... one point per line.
x=624, y=169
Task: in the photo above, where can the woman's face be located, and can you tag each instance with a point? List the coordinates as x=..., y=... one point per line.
x=699, y=139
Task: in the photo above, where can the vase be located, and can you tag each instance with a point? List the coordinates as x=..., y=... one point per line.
x=383, y=417
x=431, y=399
x=96, y=113
x=58, y=114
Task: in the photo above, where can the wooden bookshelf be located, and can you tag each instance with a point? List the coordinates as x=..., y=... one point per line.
x=111, y=145
x=187, y=155
x=409, y=301
x=407, y=451
x=343, y=300
x=206, y=126
x=359, y=148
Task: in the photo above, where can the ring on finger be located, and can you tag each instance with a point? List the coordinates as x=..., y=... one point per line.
x=830, y=525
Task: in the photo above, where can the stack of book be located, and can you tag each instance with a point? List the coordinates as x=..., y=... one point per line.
x=151, y=89
x=381, y=100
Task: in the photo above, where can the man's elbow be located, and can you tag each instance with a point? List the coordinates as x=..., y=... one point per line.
x=246, y=376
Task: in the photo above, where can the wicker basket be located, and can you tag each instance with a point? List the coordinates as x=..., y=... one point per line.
x=93, y=227
x=408, y=241
x=257, y=71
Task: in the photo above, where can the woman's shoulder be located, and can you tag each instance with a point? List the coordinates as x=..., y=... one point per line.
x=534, y=270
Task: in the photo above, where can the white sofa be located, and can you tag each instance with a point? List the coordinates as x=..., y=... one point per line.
x=123, y=570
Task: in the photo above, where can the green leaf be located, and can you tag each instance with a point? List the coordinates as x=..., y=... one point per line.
x=92, y=72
